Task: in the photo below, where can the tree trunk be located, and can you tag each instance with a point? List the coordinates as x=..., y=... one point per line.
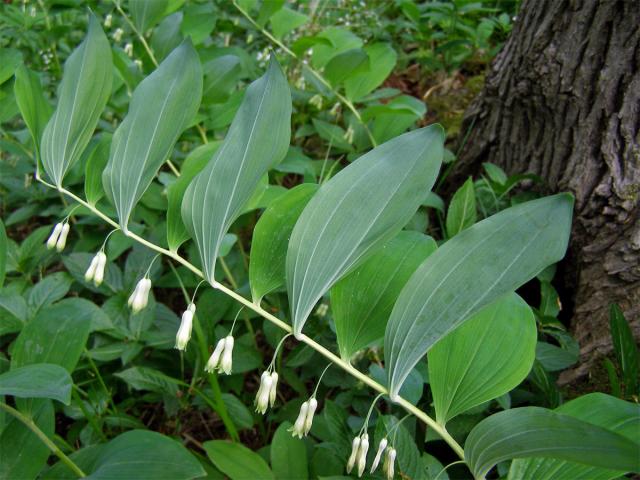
x=562, y=100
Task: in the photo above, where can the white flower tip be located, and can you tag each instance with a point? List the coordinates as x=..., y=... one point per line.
x=192, y=308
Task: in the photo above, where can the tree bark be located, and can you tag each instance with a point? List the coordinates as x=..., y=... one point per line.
x=562, y=100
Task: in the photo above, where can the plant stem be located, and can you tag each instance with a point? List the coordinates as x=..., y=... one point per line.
x=30, y=424
x=138, y=34
x=347, y=103
x=346, y=366
x=94, y=367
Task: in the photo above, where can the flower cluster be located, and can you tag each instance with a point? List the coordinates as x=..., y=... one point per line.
x=222, y=357
x=266, y=396
x=58, y=237
x=302, y=427
x=358, y=458
x=95, y=272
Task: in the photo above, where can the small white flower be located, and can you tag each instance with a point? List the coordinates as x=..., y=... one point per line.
x=214, y=359
x=316, y=101
x=313, y=404
x=107, y=21
x=128, y=49
x=138, y=64
x=362, y=454
x=298, y=428
x=262, y=397
x=140, y=296
x=117, y=35
x=62, y=240
x=335, y=109
x=355, y=447
x=389, y=460
x=91, y=271
x=322, y=309
x=274, y=389
x=249, y=38
x=376, y=461
x=95, y=272
x=226, y=363
x=184, y=332
x=53, y=238
x=348, y=135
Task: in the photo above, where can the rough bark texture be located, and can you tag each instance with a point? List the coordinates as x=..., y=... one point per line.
x=562, y=100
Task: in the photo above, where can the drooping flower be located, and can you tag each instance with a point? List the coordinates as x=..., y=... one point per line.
x=376, y=461
x=262, y=397
x=62, y=240
x=140, y=296
x=313, y=404
x=128, y=49
x=55, y=234
x=184, y=332
x=362, y=454
x=274, y=389
x=389, y=460
x=95, y=272
x=214, y=359
x=297, y=430
x=355, y=448
x=226, y=363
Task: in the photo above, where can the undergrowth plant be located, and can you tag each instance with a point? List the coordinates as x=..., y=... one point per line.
x=340, y=280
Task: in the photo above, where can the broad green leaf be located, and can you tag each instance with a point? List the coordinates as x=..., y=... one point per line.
x=145, y=378
x=356, y=212
x=554, y=358
x=238, y=411
x=538, y=432
x=144, y=454
x=83, y=94
x=3, y=252
x=199, y=20
x=624, y=347
x=288, y=455
x=167, y=35
x=333, y=134
x=405, y=110
x=474, y=268
x=96, y=163
x=34, y=107
x=340, y=40
x=147, y=13
x=257, y=140
x=41, y=380
x=50, y=289
x=598, y=409
x=237, y=461
x=346, y=64
x=362, y=301
x=286, y=20
x=382, y=59
x=462, y=209
x=57, y=335
x=271, y=238
x=22, y=453
x=193, y=164
x=267, y=9
x=162, y=106
x=485, y=357
x=10, y=60
x=220, y=77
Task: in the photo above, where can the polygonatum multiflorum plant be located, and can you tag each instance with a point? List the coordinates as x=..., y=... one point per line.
x=453, y=302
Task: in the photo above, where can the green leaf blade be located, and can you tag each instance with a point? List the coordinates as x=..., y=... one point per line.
x=237, y=461
x=477, y=266
x=85, y=89
x=462, y=209
x=385, y=186
x=41, y=380
x=257, y=140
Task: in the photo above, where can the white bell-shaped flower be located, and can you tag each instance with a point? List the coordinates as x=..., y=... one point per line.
x=140, y=296
x=362, y=454
x=55, y=234
x=262, y=397
x=298, y=427
x=389, y=461
x=214, y=359
x=313, y=404
x=184, y=332
x=62, y=239
x=355, y=447
x=98, y=276
x=226, y=362
x=91, y=271
x=274, y=389
x=376, y=461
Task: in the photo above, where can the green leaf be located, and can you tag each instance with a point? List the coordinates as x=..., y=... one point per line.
x=340, y=40
x=267, y=9
x=346, y=64
x=34, y=107
x=362, y=301
x=147, y=13
x=288, y=455
x=96, y=163
x=50, y=289
x=595, y=408
x=474, y=268
x=162, y=106
x=286, y=20
x=271, y=238
x=382, y=59
x=554, y=358
x=538, y=432
x=42, y=380
x=83, y=94
x=356, y=212
x=145, y=378
x=193, y=164
x=240, y=414
x=3, y=252
x=485, y=357
x=334, y=134
x=220, y=77
x=10, y=60
x=167, y=36
x=624, y=347
x=257, y=140
x=57, y=335
x=237, y=461
x=462, y=209
x=144, y=454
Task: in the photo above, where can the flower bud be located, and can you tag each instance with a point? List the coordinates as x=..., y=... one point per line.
x=214, y=359
x=376, y=461
x=262, y=398
x=128, y=49
x=91, y=271
x=355, y=447
x=62, y=240
x=184, y=332
x=140, y=296
x=99, y=272
x=298, y=427
x=117, y=35
x=53, y=238
x=274, y=389
x=227, y=356
x=362, y=454
x=389, y=460
x=107, y=20
x=313, y=404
